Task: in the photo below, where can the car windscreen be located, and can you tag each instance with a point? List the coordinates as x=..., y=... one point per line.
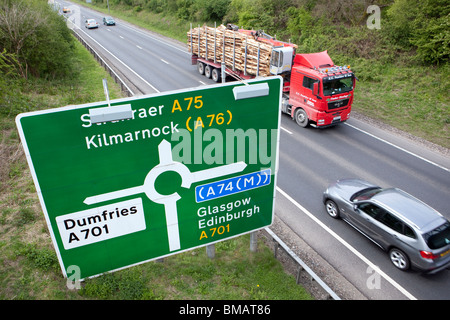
x=438, y=237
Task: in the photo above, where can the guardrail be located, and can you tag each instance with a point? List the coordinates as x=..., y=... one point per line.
x=104, y=64
x=302, y=265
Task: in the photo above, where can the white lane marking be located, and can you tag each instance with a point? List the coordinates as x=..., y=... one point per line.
x=121, y=37
x=399, y=148
x=139, y=47
x=165, y=61
x=154, y=38
x=348, y=246
x=286, y=130
x=151, y=86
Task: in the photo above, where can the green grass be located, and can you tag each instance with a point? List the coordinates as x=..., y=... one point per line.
x=233, y=274
x=29, y=268
x=413, y=99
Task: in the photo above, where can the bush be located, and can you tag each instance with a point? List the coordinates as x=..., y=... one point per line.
x=42, y=258
x=433, y=40
x=423, y=26
x=37, y=36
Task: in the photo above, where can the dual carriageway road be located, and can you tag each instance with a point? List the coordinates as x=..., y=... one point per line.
x=309, y=160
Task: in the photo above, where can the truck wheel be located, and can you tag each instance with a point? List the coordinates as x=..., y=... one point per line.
x=208, y=71
x=201, y=67
x=301, y=118
x=215, y=75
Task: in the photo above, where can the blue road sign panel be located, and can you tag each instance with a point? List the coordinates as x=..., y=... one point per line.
x=233, y=185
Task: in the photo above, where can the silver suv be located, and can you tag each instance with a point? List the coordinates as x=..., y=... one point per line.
x=414, y=234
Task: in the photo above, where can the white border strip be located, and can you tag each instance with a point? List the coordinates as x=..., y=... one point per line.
x=399, y=148
x=123, y=63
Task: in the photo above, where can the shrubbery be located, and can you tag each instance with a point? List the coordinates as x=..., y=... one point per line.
x=419, y=29
x=423, y=26
x=41, y=45
x=34, y=39
x=35, y=45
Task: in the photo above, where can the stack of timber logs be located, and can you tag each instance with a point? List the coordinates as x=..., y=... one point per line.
x=239, y=51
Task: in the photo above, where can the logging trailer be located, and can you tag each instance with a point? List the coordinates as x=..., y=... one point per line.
x=315, y=91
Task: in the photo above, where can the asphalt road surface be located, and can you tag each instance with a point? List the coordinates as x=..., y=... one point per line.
x=310, y=159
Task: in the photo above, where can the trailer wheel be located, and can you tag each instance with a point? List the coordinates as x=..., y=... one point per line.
x=208, y=71
x=201, y=67
x=301, y=118
x=215, y=74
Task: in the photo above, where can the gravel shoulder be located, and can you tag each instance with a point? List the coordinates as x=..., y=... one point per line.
x=338, y=283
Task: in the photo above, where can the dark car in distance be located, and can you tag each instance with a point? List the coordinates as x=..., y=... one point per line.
x=109, y=21
x=415, y=235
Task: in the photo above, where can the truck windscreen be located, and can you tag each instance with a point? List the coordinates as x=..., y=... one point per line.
x=336, y=86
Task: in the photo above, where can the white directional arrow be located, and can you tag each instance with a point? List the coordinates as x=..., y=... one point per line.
x=166, y=163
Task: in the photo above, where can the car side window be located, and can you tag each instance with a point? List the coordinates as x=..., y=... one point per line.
x=309, y=82
x=370, y=209
x=392, y=222
x=387, y=219
x=397, y=225
x=407, y=231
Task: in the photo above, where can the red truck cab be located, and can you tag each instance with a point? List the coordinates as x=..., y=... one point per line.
x=315, y=91
x=320, y=93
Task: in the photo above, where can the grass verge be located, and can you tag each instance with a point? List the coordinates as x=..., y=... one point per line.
x=234, y=274
x=412, y=99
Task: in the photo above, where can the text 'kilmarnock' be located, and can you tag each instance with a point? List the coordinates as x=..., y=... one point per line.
x=104, y=140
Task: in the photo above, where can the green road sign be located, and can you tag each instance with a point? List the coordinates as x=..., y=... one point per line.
x=187, y=169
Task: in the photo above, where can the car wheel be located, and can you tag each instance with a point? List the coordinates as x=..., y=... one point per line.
x=332, y=209
x=399, y=259
x=301, y=118
x=201, y=67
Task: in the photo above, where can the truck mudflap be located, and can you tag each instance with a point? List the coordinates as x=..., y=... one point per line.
x=194, y=59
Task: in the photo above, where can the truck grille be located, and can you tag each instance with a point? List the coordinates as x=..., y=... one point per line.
x=337, y=104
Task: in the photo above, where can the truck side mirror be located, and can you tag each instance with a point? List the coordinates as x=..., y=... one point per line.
x=316, y=88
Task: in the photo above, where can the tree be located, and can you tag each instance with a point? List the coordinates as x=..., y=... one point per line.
x=18, y=21
x=38, y=37
x=431, y=32
x=423, y=26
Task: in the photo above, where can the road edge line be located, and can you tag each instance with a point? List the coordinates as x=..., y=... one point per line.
x=398, y=147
